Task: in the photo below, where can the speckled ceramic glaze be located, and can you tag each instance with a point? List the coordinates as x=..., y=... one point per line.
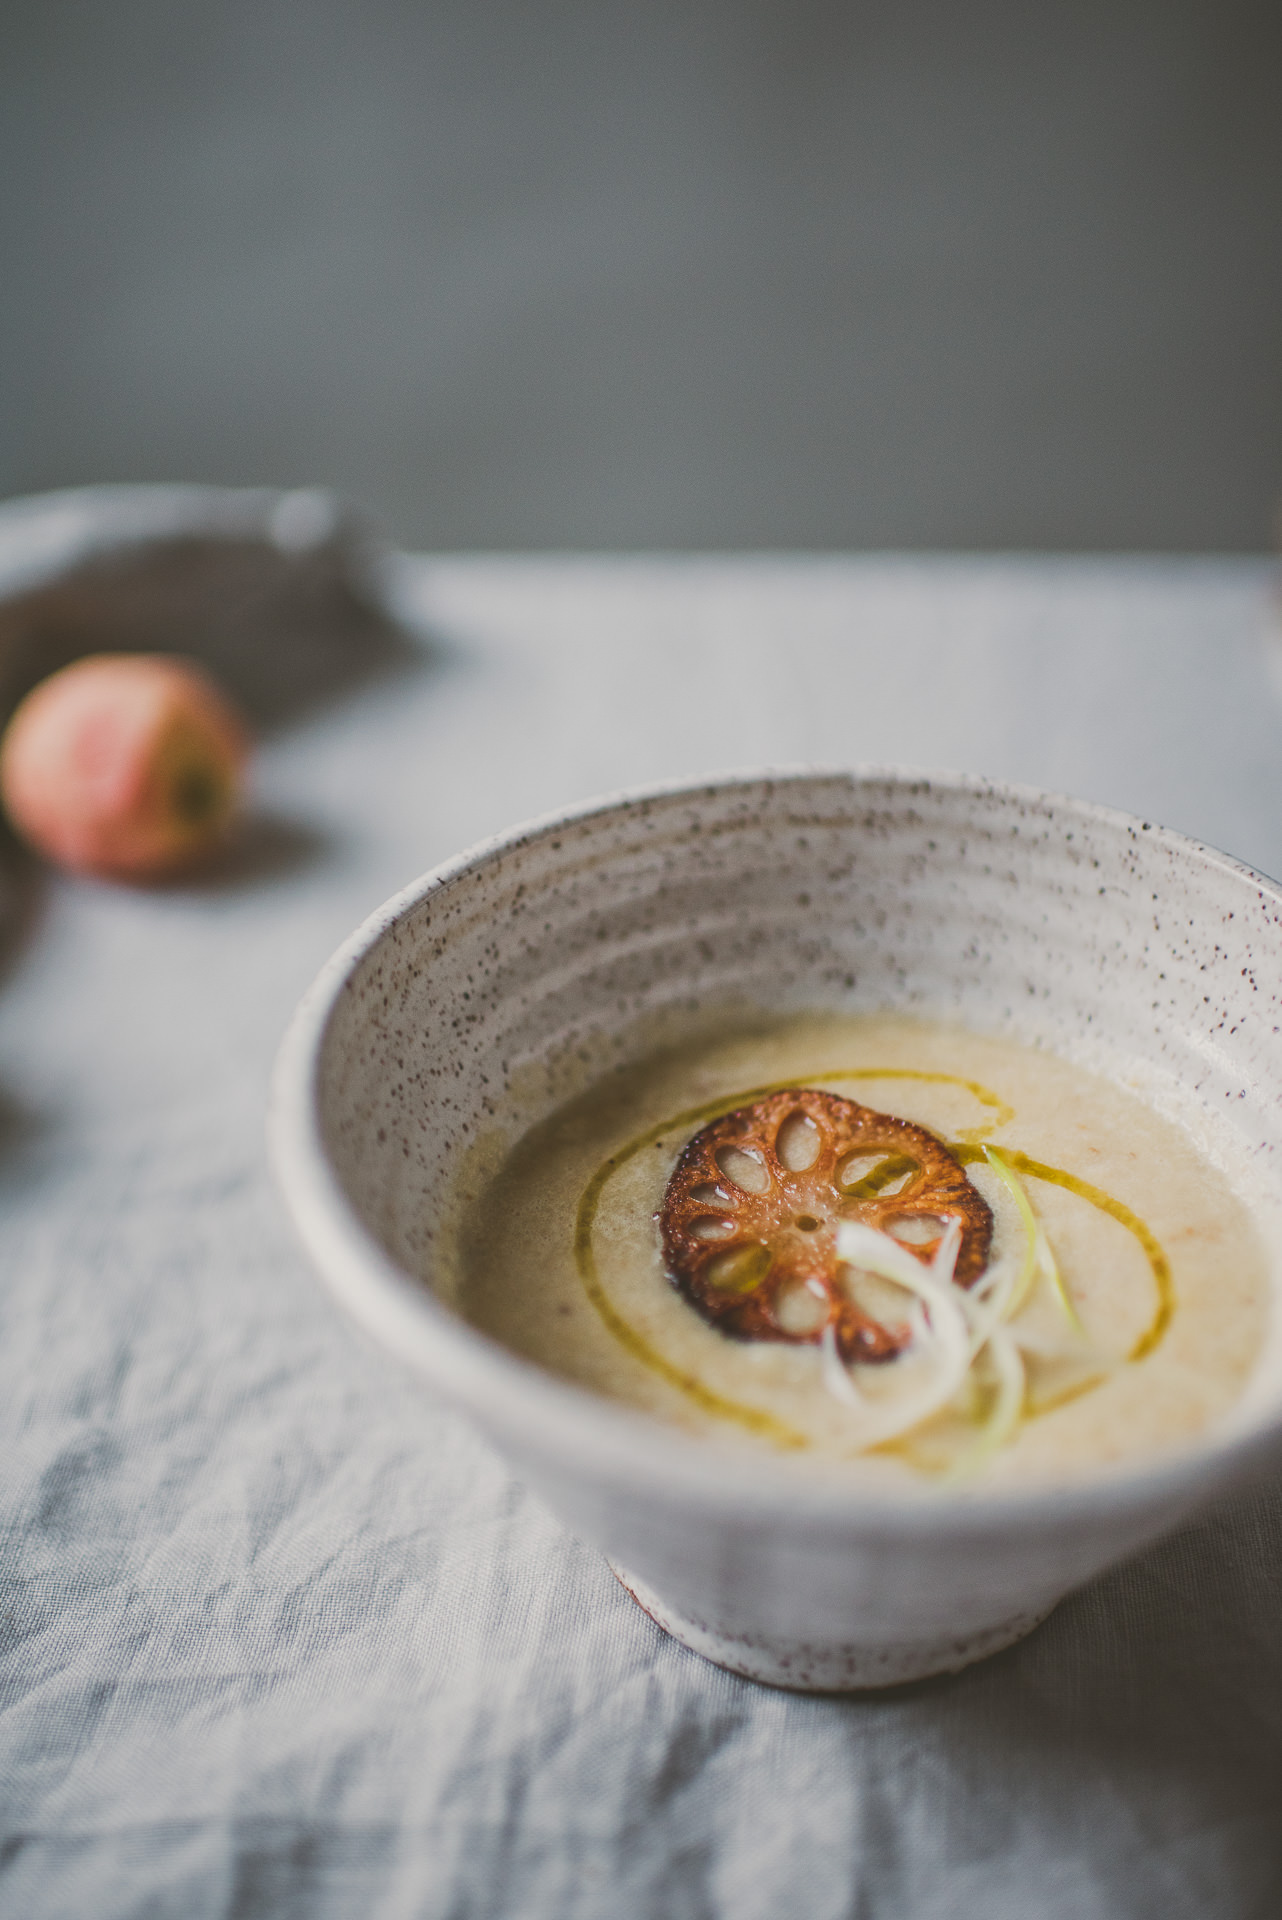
x=1000, y=908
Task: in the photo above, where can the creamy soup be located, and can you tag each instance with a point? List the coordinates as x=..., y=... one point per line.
x=876, y=1241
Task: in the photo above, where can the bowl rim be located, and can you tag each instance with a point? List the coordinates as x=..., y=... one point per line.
x=574, y=1426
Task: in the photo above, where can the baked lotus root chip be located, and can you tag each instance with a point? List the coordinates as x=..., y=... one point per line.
x=749, y=1218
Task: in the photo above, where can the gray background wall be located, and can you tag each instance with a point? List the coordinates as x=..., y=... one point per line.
x=691, y=274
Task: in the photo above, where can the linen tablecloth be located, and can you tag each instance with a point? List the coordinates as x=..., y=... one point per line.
x=281, y=1637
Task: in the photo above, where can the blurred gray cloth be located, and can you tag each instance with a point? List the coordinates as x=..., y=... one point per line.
x=279, y=593
x=281, y=1637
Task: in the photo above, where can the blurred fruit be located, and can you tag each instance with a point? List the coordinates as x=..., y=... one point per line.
x=126, y=765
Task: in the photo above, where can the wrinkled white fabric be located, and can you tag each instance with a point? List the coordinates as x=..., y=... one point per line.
x=279, y=1636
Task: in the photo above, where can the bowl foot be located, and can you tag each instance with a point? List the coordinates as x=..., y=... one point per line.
x=830, y=1668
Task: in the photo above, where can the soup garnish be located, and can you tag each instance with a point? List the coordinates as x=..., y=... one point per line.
x=751, y=1215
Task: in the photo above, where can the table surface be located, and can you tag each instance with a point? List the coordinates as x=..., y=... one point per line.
x=280, y=1635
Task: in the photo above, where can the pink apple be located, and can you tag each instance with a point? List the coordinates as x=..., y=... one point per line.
x=126, y=765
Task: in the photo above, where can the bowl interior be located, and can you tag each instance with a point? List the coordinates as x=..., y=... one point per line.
x=492, y=990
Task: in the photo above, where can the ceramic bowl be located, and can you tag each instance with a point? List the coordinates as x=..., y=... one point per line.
x=1001, y=908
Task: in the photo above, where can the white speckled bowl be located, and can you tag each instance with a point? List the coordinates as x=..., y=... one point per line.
x=1002, y=908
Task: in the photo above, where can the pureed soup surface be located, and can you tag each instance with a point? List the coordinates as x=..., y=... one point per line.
x=674, y=1238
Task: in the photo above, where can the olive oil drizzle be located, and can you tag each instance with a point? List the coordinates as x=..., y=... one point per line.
x=689, y=1384
x=1159, y=1265
x=967, y=1148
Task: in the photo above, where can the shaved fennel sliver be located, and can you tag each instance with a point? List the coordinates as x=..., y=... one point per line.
x=957, y=1326
x=991, y=1302
x=836, y=1375
x=952, y=1327
x=1028, y=1265
x=1006, y=1410
x=1038, y=1257
x=947, y=1341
